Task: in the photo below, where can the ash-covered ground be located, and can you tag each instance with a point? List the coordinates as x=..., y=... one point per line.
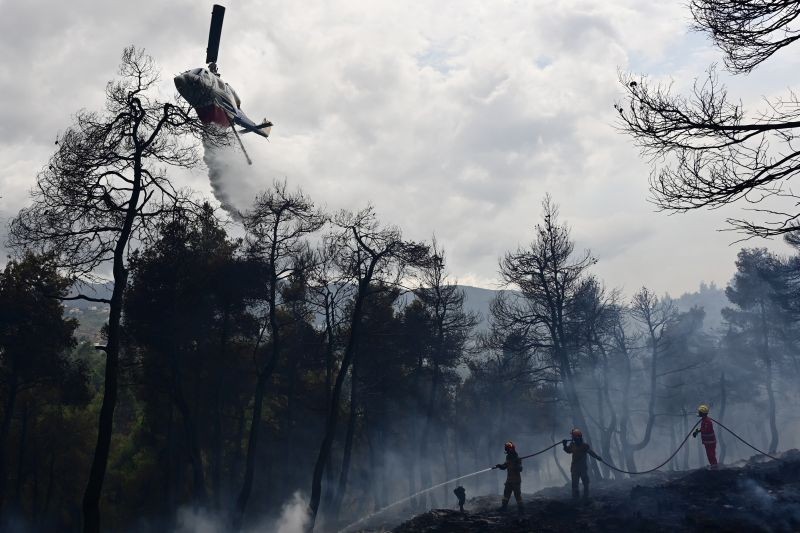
x=755, y=495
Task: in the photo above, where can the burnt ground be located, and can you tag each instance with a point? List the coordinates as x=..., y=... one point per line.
x=753, y=495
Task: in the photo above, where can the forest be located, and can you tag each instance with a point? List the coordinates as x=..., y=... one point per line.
x=323, y=354
x=166, y=364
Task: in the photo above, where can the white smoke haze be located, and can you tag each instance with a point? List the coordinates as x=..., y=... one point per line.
x=293, y=519
x=294, y=515
x=197, y=521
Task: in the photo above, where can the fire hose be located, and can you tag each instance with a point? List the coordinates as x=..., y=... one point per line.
x=541, y=451
x=720, y=424
x=686, y=438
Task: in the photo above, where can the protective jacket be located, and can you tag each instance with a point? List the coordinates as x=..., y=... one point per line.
x=579, y=453
x=707, y=431
x=513, y=467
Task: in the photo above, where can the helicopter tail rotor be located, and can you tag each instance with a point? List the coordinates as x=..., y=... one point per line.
x=214, y=33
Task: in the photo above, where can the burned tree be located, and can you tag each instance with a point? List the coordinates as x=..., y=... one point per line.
x=366, y=254
x=276, y=228
x=654, y=315
x=706, y=150
x=104, y=188
x=598, y=314
x=546, y=281
x=443, y=304
x=329, y=294
x=748, y=31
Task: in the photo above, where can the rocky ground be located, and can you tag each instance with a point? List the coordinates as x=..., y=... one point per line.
x=756, y=495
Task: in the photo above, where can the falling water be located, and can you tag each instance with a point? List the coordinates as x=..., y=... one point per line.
x=398, y=502
x=220, y=169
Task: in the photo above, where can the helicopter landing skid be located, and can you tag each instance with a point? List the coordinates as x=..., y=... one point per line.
x=241, y=144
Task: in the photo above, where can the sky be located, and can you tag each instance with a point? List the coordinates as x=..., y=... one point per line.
x=452, y=118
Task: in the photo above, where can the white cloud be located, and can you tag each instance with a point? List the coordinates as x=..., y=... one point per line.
x=451, y=117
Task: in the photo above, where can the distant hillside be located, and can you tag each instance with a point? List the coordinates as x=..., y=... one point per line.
x=478, y=300
x=92, y=316
x=90, y=320
x=709, y=297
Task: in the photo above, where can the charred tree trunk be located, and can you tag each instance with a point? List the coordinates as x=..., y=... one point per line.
x=329, y=363
x=722, y=405
x=348, y=440
x=629, y=461
x=94, y=487
x=291, y=400
x=5, y=430
x=21, y=471
x=425, y=474
x=672, y=444
x=383, y=488
x=236, y=460
x=685, y=432
x=605, y=399
x=333, y=409
x=651, y=404
x=48, y=492
x=252, y=442
x=773, y=426
x=264, y=376
x=216, y=466
x=169, y=483
x=445, y=448
x=192, y=442
x=217, y=447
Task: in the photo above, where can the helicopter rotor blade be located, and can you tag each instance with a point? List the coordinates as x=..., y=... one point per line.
x=214, y=33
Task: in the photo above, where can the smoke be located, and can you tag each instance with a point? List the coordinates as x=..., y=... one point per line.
x=222, y=165
x=197, y=521
x=756, y=495
x=294, y=516
x=293, y=519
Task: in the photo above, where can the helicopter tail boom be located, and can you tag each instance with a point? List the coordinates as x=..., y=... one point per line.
x=262, y=129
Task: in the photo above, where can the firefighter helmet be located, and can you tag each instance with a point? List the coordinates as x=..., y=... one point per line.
x=703, y=409
x=576, y=433
x=509, y=447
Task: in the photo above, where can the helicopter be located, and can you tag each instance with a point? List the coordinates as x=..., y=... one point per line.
x=214, y=101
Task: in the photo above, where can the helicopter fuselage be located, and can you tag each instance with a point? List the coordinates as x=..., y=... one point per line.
x=214, y=100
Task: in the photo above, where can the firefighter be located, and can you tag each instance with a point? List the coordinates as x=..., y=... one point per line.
x=461, y=494
x=513, y=467
x=580, y=466
x=707, y=436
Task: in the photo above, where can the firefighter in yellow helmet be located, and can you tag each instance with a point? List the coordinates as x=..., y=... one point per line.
x=513, y=468
x=707, y=435
x=580, y=465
